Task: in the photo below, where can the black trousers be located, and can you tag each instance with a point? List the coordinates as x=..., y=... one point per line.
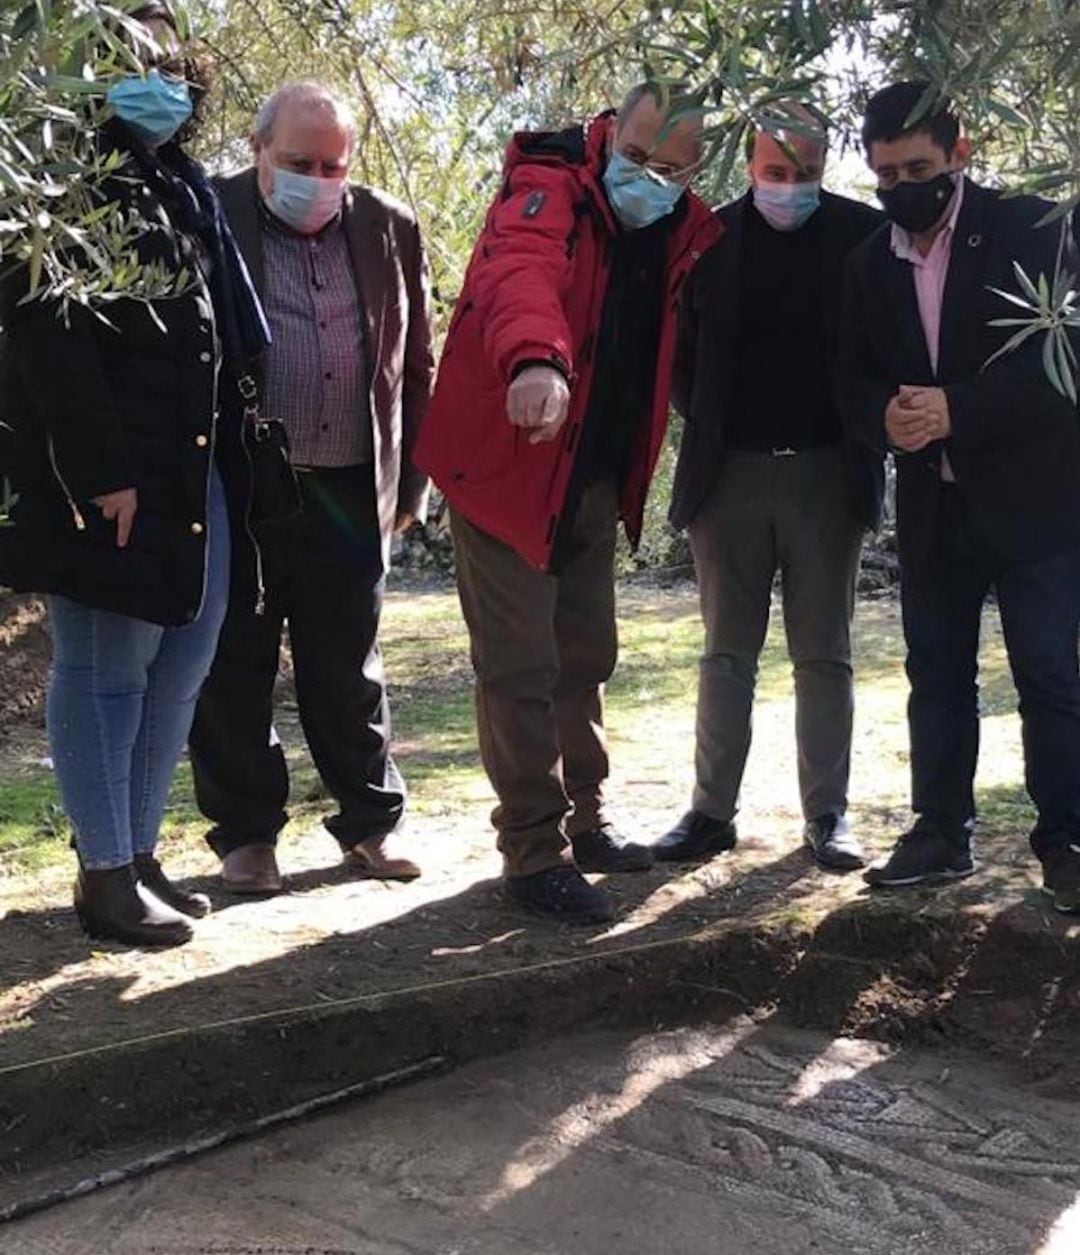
x=1039, y=603
x=327, y=581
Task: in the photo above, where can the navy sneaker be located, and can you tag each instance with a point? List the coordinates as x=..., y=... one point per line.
x=1061, y=879
x=563, y=894
x=695, y=838
x=925, y=855
x=604, y=849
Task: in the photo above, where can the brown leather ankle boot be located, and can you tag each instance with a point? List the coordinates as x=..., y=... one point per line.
x=111, y=908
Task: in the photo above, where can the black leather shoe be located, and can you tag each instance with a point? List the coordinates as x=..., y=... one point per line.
x=113, y=906
x=149, y=873
x=605, y=850
x=832, y=844
x=695, y=838
x=1061, y=879
x=563, y=894
x=925, y=855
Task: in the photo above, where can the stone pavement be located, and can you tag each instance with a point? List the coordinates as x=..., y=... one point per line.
x=749, y=1139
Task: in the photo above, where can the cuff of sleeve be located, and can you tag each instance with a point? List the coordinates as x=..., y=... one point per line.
x=413, y=494
x=539, y=355
x=86, y=479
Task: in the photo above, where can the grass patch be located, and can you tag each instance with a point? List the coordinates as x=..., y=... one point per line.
x=34, y=831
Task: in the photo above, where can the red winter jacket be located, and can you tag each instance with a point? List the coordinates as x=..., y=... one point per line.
x=533, y=292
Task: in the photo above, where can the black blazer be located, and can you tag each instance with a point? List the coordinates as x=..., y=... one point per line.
x=1015, y=443
x=708, y=338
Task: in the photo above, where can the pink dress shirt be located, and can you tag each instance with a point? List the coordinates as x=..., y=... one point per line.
x=929, y=274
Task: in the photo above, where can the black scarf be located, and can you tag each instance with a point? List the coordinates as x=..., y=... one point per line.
x=182, y=184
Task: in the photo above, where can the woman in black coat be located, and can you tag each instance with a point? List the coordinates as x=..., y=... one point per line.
x=120, y=511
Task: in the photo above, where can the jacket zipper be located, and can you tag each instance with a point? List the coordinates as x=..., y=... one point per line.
x=80, y=522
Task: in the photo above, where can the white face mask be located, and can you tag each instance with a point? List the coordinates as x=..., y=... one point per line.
x=786, y=206
x=303, y=201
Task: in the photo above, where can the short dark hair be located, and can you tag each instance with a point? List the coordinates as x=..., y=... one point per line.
x=887, y=113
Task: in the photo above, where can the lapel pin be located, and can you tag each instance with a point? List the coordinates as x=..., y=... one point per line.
x=974, y=240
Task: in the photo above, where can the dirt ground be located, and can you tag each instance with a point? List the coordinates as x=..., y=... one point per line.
x=743, y=1140
x=333, y=937
x=24, y=660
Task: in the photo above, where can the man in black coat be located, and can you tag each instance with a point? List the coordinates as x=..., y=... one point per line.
x=765, y=482
x=988, y=481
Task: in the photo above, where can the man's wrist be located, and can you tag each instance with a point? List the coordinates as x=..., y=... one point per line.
x=553, y=363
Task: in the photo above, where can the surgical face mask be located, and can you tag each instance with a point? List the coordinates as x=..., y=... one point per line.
x=154, y=107
x=304, y=202
x=917, y=206
x=786, y=206
x=638, y=197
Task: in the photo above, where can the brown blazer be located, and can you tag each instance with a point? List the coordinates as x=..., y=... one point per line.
x=392, y=279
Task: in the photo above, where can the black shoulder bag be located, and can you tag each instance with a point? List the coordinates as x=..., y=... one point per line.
x=273, y=491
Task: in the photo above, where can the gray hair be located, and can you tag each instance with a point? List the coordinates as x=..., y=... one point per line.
x=308, y=93
x=673, y=97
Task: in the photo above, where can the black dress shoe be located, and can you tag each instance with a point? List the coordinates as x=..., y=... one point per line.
x=695, y=838
x=605, y=850
x=113, y=906
x=832, y=844
x=925, y=855
x=149, y=873
x=563, y=894
x=1061, y=879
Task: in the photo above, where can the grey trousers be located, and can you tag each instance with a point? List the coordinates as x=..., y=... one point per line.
x=768, y=513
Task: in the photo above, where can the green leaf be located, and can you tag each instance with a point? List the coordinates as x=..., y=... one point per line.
x=37, y=257
x=1065, y=365
x=1050, y=365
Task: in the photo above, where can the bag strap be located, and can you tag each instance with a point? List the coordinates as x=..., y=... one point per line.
x=248, y=388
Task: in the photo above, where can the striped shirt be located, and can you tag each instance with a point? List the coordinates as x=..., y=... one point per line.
x=316, y=374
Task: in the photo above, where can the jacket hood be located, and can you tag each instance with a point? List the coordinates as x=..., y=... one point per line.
x=582, y=145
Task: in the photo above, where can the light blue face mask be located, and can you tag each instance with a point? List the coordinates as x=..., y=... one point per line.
x=786, y=206
x=638, y=197
x=303, y=201
x=155, y=107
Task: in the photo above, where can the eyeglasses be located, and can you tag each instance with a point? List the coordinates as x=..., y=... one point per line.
x=664, y=172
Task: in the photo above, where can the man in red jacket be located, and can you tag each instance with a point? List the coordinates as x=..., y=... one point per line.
x=548, y=417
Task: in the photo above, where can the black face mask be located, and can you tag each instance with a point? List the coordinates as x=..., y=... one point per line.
x=917, y=206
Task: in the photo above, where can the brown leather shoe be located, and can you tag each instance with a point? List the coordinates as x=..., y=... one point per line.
x=370, y=859
x=252, y=870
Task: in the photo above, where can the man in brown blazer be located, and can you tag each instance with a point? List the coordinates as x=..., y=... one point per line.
x=341, y=273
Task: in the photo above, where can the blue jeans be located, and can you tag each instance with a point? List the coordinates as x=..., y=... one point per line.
x=121, y=699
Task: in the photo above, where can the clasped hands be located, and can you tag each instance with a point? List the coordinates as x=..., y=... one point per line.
x=917, y=416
